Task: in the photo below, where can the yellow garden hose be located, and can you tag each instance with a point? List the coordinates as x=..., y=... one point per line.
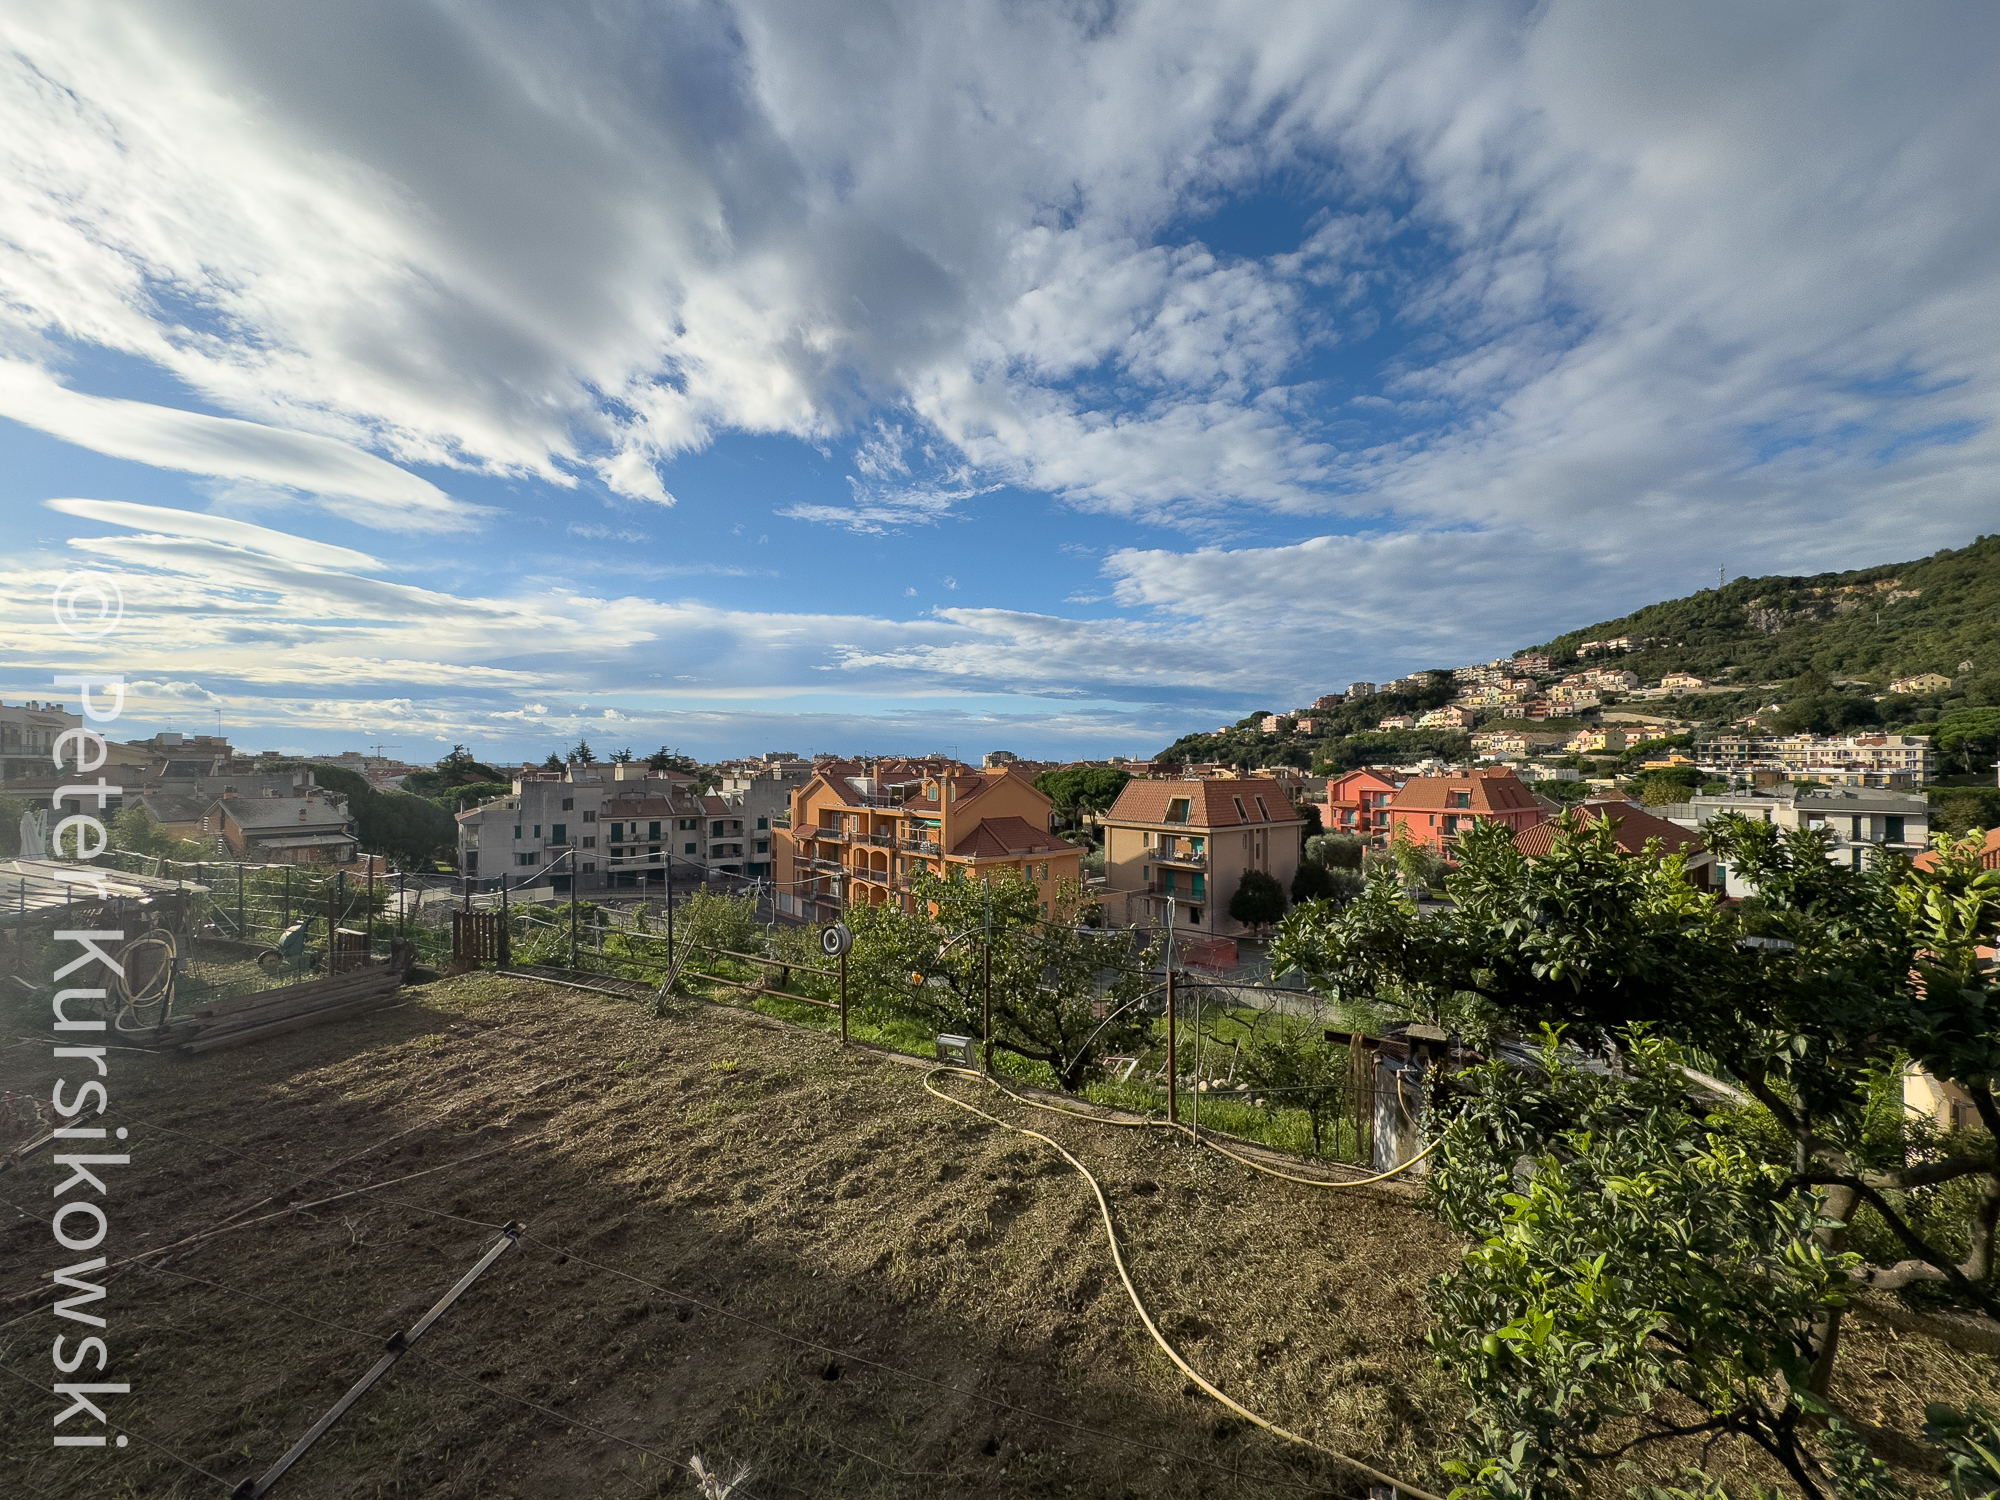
x=1118, y=1259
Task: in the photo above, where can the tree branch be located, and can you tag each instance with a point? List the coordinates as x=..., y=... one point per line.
x=1955, y=1275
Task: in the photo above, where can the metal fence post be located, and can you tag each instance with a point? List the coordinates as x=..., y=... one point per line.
x=1173, y=1056
x=843, y=998
x=986, y=998
x=287, y=919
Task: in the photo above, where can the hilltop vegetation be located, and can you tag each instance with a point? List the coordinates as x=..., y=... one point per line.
x=1874, y=624
x=1805, y=654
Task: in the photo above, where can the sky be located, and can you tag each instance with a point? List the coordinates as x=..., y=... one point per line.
x=880, y=377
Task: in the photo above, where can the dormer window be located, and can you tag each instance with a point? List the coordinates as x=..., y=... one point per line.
x=1177, y=809
x=1241, y=815
x=1263, y=811
x=1461, y=799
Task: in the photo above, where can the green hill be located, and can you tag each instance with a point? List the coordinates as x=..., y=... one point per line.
x=1824, y=648
x=1872, y=624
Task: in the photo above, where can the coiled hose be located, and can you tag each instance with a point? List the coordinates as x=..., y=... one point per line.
x=1118, y=1259
x=155, y=990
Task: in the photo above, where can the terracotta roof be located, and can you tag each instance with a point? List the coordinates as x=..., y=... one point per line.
x=1211, y=804
x=1635, y=827
x=1490, y=792
x=1989, y=854
x=996, y=838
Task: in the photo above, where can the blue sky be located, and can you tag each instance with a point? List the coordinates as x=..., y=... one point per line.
x=901, y=377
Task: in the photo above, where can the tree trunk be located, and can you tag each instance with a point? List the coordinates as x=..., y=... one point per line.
x=1839, y=1204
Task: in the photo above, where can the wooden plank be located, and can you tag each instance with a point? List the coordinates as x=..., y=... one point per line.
x=300, y=1005
x=236, y=1038
x=290, y=995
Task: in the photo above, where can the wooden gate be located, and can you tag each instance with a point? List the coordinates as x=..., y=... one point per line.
x=480, y=936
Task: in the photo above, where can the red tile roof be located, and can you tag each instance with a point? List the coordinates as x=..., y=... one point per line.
x=1211, y=804
x=1989, y=854
x=1490, y=791
x=1635, y=827
x=997, y=838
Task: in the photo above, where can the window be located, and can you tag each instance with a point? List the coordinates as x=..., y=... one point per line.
x=1198, y=892
x=1045, y=873
x=715, y=829
x=1045, y=908
x=1194, y=916
x=517, y=830
x=590, y=841
x=1263, y=811
x=524, y=859
x=1461, y=799
x=590, y=815
x=688, y=823
x=653, y=830
x=687, y=848
x=763, y=823
x=1177, y=810
x=569, y=804
x=1892, y=828
x=538, y=830
x=1146, y=838
x=1241, y=815
x=589, y=867
x=763, y=846
x=559, y=833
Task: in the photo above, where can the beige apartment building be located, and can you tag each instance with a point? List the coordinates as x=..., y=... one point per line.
x=1191, y=842
x=856, y=839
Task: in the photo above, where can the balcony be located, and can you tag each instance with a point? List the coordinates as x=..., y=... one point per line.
x=879, y=840
x=920, y=846
x=831, y=835
x=1181, y=861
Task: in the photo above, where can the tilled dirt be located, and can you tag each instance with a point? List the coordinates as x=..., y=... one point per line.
x=745, y=1244
x=742, y=1242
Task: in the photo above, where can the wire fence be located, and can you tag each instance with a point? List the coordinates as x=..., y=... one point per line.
x=242, y=928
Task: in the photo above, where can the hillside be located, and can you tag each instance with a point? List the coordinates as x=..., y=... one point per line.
x=1823, y=648
x=1877, y=624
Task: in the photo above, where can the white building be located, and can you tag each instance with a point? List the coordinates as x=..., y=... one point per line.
x=1864, y=824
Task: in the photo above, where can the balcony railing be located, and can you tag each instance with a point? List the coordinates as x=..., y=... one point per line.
x=1159, y=888
x=880, y=840
x=920, y=846
x=831, y=835
x=1186, y=861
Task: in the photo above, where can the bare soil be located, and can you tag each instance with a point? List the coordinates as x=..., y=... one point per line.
x=744, y=1243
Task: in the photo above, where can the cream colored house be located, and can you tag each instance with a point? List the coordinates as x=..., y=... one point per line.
x=1191, y=842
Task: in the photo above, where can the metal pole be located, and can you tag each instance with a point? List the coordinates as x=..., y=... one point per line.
x=369, y=946
x=241, y=930
x=986, y=1002
x=398, y=1346
x=288, y=900
x=843, y=999
x=670, y=912
x=1173, y=1016
x=573, y=963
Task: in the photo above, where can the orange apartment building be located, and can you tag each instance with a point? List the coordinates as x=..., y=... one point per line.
x=1434, y=810
x=1192, y=841
x=858, y=840
x=1358, y=803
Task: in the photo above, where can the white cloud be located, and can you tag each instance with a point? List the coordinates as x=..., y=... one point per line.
x=164, y=521
x=366, y=488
